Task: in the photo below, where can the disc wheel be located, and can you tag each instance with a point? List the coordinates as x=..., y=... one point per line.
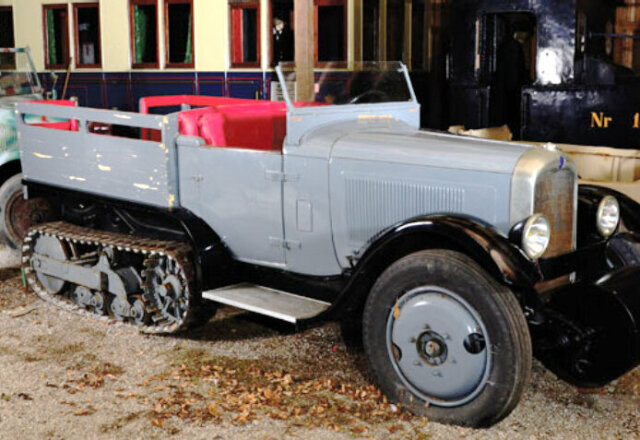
x=53, y=247
x=139, y=314
x=17, y=215
x=445, y=340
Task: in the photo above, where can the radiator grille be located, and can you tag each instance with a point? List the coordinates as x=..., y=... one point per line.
x=372, y=205
x=555, y=198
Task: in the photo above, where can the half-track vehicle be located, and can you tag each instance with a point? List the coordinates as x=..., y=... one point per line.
x=461, y=257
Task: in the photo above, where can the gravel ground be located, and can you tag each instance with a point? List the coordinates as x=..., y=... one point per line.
x=240, y=376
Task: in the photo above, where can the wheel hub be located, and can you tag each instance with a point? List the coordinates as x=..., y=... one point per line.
x=437, y=344
x=21, y=214
x=50, y=246
x=432, y=348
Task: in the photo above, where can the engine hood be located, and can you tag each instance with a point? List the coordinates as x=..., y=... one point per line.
x=401, y=144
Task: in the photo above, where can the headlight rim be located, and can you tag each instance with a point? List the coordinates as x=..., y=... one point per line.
x=608, y=232
x=528, y=224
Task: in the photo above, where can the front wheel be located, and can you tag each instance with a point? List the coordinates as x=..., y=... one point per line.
x=17, y=215
x=445, y=340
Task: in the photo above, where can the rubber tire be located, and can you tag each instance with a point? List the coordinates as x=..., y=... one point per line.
x=497, y=307
x=8, y=189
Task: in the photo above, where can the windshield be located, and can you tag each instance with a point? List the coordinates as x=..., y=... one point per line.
x=365, y=83
x=17, y=74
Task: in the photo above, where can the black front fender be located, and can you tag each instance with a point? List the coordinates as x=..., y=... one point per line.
x=494, y=252
x=589, y=197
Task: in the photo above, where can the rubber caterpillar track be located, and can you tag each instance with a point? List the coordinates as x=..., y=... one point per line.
x=150, y=251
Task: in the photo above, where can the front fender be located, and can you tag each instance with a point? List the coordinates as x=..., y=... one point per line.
x=589, y=196
x=491, y=250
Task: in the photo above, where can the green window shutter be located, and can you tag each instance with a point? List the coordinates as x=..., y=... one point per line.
x=140, y=32
x=188, y=55
x=51, y=37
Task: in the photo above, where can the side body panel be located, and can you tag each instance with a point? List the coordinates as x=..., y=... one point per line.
x=238, y=193
x=128, y=169
x=307, y=216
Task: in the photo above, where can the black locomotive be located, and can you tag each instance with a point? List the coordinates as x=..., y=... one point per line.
x=545, y=68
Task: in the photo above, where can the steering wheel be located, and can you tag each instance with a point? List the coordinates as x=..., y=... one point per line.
x=370, y=96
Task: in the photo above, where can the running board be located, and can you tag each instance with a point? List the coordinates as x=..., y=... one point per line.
x=270, y=302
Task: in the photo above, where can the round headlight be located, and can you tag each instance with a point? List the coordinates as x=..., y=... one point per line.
x=536, y=235
x=608, y=216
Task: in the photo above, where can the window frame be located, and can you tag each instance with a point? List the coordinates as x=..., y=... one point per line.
x=270, y=31
x=134, y=65
x=345, y=27
x=11, y=65
x=248, y=4
x=45, y=8
x=76, y=8
x=13, y=25
x=166, y=35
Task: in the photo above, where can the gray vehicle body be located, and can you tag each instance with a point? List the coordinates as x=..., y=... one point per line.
x=345, y=174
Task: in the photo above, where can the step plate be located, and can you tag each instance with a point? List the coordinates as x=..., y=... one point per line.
x=275, y=303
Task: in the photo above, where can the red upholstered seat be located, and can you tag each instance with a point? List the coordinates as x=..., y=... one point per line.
x=259, y=125
x=188, y=120
x=211, y=128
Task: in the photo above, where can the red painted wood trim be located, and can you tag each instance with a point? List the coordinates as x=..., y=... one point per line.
x=166, y=34
x=65, y=32
x=135, y=65
x=345, y=37
x=236, y=33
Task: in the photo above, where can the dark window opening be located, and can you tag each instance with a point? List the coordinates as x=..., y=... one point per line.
x=330, y=32
x=418, y=34
x=370, y=24
x=87, y=35
x=144, y=33
x=7, y=60
x=395, y=30
x=282, y=38
x=56, y=28
x=245, y=38
x=508, y=54
x=179, y=18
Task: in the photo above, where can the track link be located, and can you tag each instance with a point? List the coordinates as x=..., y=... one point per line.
x=152, y=251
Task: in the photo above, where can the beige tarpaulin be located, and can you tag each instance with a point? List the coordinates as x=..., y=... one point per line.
x=611, y=167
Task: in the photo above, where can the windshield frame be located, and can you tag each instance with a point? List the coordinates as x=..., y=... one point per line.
x=36, y=86
x=292, y=108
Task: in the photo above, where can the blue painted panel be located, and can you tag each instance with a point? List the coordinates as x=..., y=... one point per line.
x=246, y=85
x=211, y=84
x=154, y=84
x=117, y=90
x=88, y=88
x=122, y=90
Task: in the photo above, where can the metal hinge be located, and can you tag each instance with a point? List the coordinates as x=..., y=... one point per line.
x=279, y=176
x=285, y=244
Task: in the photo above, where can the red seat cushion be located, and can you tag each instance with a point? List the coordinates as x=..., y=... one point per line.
x=212, y=129
x=188, y=121
x=259, y=125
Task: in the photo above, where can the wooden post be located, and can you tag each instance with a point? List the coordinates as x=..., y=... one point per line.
x=382, y=31
x=357, y=30
x=304, y=49
x=406, y=52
